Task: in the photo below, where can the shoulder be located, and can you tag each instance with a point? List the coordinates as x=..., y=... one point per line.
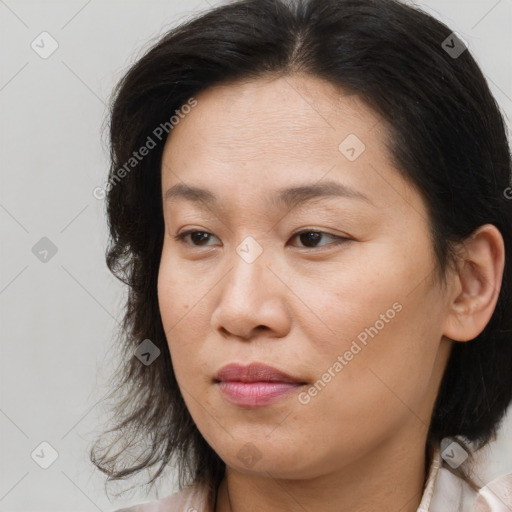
x=495, y=496
x=450, y=492
x=189, y=499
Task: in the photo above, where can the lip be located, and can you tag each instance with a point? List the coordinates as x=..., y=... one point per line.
x=255, y=385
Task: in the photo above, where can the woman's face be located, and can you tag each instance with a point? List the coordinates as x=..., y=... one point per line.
x=350, y=308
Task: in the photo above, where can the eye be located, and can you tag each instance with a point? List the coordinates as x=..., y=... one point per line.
x=311, y=237
x=308, y=237
x=196, y=236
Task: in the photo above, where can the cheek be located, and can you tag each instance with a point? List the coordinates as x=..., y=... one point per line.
x=387, y=368
x=178, y=294
x=182, y=309
x=353, y=304
x=385, y=327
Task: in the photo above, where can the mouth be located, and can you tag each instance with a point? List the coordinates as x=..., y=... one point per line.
x=255, y=385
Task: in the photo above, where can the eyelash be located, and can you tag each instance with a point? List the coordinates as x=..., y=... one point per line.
x=339, y=240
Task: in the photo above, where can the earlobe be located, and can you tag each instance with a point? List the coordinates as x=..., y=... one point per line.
x=477, y=284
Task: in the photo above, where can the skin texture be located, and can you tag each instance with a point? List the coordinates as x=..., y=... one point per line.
x=359, y=443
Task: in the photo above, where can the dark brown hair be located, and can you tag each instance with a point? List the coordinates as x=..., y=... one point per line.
x=448, y=139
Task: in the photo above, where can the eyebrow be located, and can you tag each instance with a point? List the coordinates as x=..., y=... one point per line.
x=288, y=197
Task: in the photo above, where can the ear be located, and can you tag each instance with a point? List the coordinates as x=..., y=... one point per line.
x=477, y=284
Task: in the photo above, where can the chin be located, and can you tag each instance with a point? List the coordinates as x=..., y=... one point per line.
x=260, y=457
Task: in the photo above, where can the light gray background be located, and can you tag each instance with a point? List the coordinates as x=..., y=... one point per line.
x=57, y=318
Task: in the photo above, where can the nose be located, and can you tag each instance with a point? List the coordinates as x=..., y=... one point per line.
x=252, y=297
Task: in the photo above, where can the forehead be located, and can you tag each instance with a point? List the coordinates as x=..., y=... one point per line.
x=291, y=117
x=256, y=137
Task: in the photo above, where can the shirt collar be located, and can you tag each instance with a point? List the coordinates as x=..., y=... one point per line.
x=430, y=484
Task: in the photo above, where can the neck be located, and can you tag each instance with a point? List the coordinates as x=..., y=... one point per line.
x=391, y=477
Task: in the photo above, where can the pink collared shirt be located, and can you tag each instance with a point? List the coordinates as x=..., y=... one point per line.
x=443, y=492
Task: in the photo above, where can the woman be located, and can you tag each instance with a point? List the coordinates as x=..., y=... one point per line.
x=310, y=203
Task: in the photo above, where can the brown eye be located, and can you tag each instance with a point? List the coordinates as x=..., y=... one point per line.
x=198, y=238
x=311, y=238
